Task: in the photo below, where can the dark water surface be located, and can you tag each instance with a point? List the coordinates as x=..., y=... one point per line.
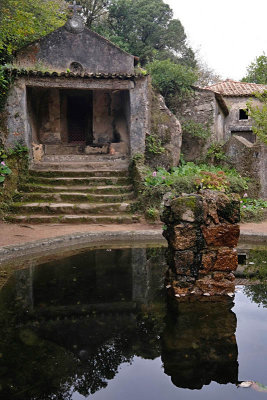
x=97, y=325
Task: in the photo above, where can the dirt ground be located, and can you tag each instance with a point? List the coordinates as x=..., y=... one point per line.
x=23, y=233
x=11, y=234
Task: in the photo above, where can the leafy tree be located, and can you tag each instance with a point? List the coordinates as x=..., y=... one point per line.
x=259, y=115
x=146, y=28
x=93, y=11
x=23, y=21
x=206, y=75
x=257, y=71
x=171, y=79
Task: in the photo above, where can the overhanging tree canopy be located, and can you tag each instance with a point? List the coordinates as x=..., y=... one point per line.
x=146, y=28
x=23, y=21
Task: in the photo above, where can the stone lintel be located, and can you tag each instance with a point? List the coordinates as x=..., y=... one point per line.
x=76, y=83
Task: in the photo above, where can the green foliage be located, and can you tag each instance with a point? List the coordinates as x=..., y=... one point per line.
x=257, y=293
x=215, y=153
x=257, y=264
x=196, y=175
x=145, y=28
x=154, y=144
x=170, y=78
x=23, y=21
x=152, y=214
x=213, y=181
x=257, y=71
x=4, y=87
x=19, y=150
x=4, y=171
x=196, y=129
x=259, y=115
x=187, y=179
x=93, y=10
x=253, y=209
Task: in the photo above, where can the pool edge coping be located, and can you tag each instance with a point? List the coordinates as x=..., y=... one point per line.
x=10, y=252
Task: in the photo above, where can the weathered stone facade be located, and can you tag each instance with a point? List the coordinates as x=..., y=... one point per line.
x=202, y=233
x=208, y=109
x=222, y=107
x=74, y=92
x=236, y=124
x=250, y=159
x=77, y=49
x=166, y=132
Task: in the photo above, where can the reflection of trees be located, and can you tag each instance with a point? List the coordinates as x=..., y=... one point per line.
x=50, y=359
x=69, y=325
x=199, y=344
x=258, y=258
x=257, y=294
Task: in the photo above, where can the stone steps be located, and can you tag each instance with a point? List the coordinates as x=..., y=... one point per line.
x=47, y=173
x=108, y=189
x=83, y=158
x=76, y=165
x=81, y=180
x=74, y=219
x=75, y=195
x=70, y=208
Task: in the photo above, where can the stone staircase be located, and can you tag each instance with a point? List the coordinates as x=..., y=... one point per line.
x=76, y=189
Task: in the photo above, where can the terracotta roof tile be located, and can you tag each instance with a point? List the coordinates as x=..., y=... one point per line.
x=24, y=72
x=234, y=88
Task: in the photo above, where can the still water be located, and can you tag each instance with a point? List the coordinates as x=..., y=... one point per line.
x=97, y=325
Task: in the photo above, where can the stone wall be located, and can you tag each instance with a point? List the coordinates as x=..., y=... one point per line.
x=16, y=111
x=109, y=118
x=79, y=51
x=165, y=133
x=129, y=110
x=250, y=160
x=139, y=116
x=233, y=123
x=202, y=233
x=203, y=108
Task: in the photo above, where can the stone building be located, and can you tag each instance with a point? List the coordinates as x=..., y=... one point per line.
x=75, y=92
x=236, y=96
x=83, y=111
x=208, y=109
x=243, y=150
x=222, y=108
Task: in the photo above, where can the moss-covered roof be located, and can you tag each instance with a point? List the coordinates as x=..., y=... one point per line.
x=17, y=72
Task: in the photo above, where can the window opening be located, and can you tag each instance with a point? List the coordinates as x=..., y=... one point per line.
x=243, y=114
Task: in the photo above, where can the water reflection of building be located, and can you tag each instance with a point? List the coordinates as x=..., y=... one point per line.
x=199, y=344
x=77, y=320
x=80, y=318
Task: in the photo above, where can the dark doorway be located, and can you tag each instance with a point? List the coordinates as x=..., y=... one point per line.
x=79, y=117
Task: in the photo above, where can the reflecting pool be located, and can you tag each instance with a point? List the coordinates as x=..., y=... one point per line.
x=97, y=325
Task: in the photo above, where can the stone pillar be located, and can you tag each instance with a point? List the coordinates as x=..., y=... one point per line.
x=202, y=233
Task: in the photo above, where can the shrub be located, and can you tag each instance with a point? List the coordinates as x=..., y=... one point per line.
x=196, y=129
x=253, y=209
x=4, y=171
x=169, y=78
x=4, y=87
x=188, y=178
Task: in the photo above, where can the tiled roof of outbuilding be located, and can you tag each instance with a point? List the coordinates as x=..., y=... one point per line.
x=234, y=88
x=49, y=74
